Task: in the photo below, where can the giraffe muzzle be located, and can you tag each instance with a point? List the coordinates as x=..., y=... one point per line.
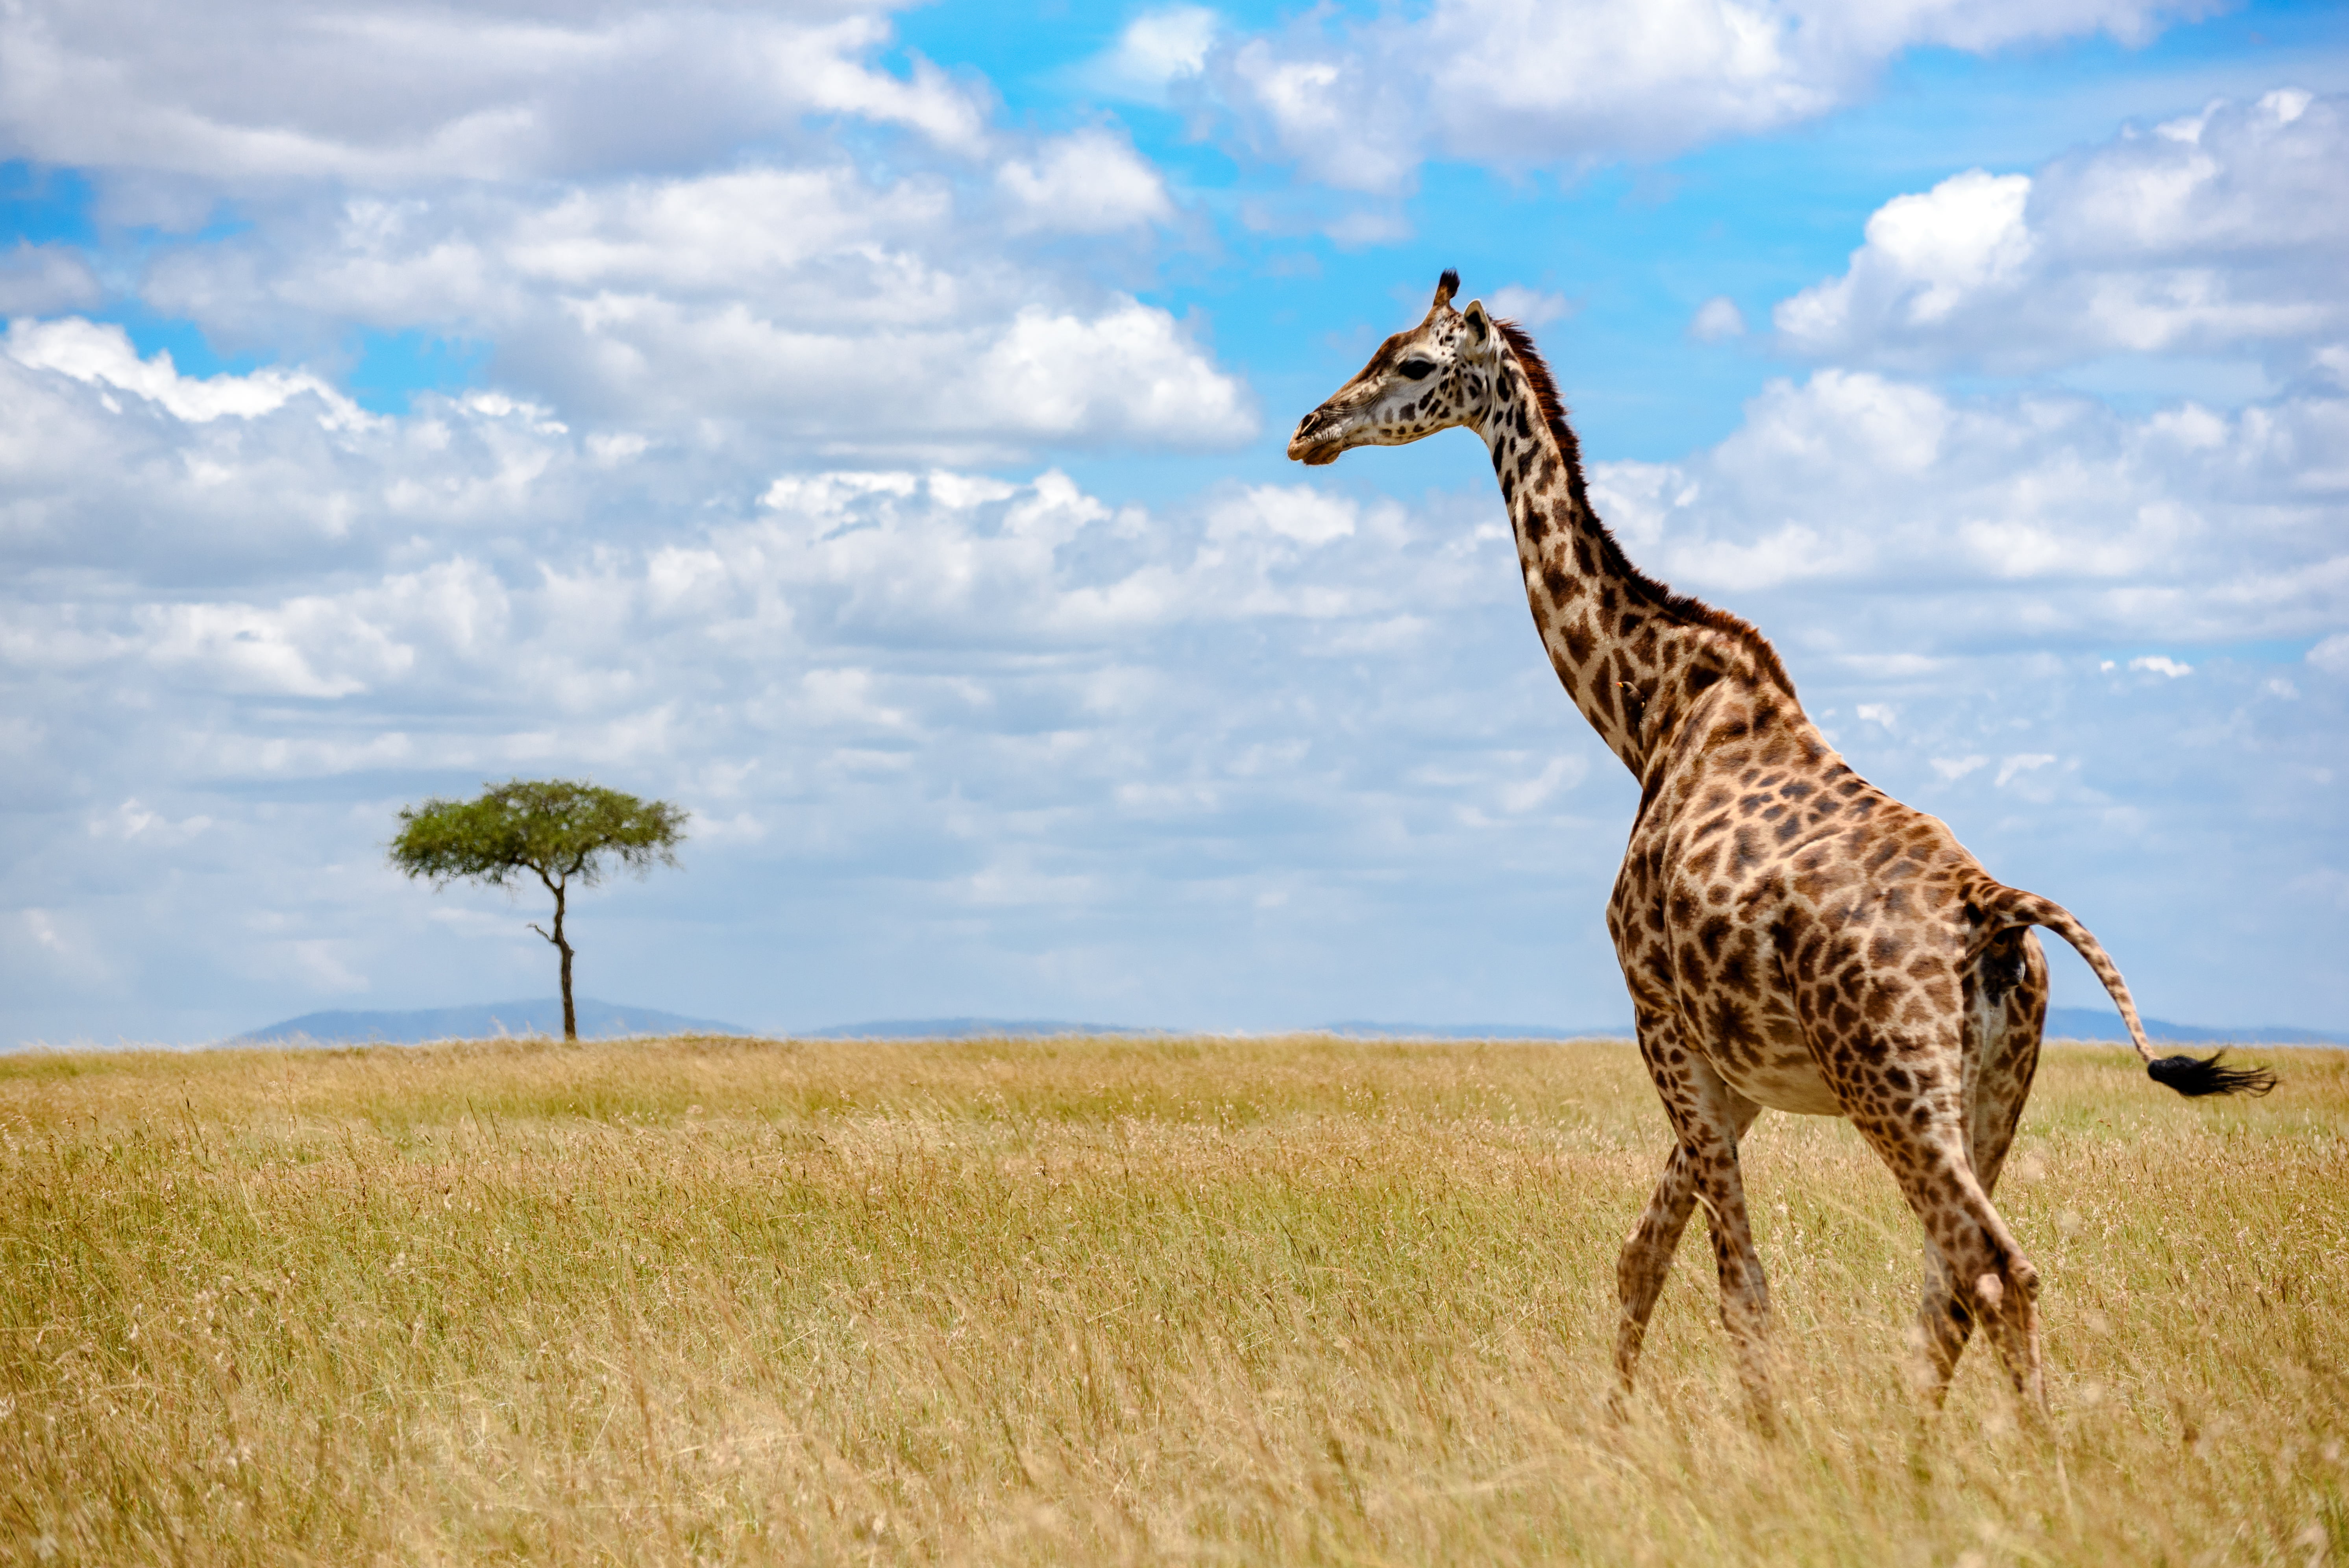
x=1313, y=445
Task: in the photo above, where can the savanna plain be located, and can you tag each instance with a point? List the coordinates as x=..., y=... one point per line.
x=1304, y=1300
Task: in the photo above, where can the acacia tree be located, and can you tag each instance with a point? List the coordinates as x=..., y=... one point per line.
x=563, y=832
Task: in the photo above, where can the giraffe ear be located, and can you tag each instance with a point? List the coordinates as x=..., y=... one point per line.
x=1480, y=325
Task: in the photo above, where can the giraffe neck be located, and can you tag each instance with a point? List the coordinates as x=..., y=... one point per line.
x=1628, y=652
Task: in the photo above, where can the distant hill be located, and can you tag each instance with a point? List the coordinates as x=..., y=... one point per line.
x=961, y=1029
x=597, y=1020
x=2104, y=1024
x=607, y=1020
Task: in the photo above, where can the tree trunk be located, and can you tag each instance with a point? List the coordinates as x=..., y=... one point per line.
x=570, y=1013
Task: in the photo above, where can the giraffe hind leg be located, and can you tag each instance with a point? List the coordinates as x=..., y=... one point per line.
x=1944, y=1326
x=2008, y=1005
x=1978, y=1270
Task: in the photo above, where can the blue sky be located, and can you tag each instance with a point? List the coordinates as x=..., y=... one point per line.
x=863, y=426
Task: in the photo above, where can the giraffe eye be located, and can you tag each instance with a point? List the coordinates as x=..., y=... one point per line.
x=1417, y=369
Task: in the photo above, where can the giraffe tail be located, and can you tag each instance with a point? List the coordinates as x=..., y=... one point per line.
x=2004, y=908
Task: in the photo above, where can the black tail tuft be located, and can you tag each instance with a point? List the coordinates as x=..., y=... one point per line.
x=2192, y=1076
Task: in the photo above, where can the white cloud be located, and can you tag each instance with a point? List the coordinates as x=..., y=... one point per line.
x=242, y=648
x=2161, y=664
x=1559, y=773
x=1969, y=515
x=1128, y=372
x=706, y=235
x=1340, y=118
x=38, y=279
x=99, y=352
x=132, y=821
x=272, y=91
x=397, y=503
x=2014, y=766
x=2331, y=655
x=1090, y=182
x=65, y=946
x=865, y=316
x=2223, y=231
x=648, y=218
x=1522, y=83
x=1929, y=251
x=1716, y=320
x=1156, y=50
x=1299, y=513
x=112, y=461
x=1527, y=307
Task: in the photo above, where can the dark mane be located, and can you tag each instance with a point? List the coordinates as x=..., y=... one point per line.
x=1681, y=607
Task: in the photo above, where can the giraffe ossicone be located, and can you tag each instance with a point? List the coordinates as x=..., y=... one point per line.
x=1793, y=937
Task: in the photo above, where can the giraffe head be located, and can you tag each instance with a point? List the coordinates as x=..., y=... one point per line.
x=1429, y=378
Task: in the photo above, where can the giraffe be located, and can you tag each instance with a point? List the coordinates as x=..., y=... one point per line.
x=1793, y=937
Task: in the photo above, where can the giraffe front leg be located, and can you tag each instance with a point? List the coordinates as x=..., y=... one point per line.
x=1647, y=1258
x=1708, y=1118
x=1744, y=1291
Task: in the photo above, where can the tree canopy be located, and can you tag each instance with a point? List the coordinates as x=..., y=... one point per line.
x=562, y=832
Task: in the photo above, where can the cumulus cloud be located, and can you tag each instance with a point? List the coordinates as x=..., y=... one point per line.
x=648, y=218
x=1518, y=83
x=2220, y=232
x=101, y=354
x=109, y=459
x=1091, y=183
x=2050, y=511
x=1154, y=52
x=863, y=315
x=267, y=91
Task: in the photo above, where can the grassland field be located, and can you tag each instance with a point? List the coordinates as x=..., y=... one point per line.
x=1146, y=1300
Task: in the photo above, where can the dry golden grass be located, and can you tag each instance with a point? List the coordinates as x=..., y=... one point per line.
x=1280, y=1300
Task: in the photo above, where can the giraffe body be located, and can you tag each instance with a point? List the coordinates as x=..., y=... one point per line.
x=1793, y=937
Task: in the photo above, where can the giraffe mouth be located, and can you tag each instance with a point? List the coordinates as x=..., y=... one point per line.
x=1312, y=445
